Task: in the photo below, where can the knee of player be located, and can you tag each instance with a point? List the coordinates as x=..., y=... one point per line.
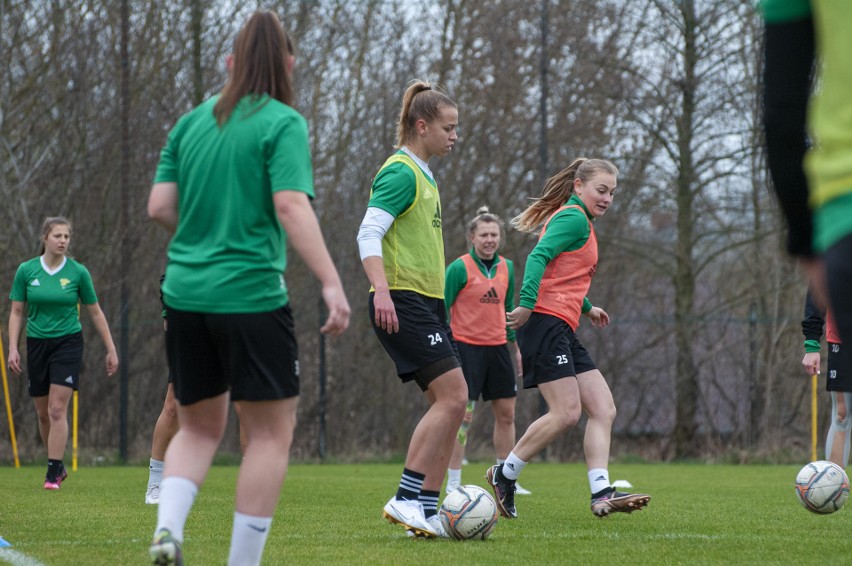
x=566, y=418
x=842, y=421
x=57, y=413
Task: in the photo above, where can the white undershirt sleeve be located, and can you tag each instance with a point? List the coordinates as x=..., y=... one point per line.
x=373, y=228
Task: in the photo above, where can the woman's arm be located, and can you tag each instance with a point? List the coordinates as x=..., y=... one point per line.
x=100, y=322
x=163, y=205
x=15, y=318
x=297, y=216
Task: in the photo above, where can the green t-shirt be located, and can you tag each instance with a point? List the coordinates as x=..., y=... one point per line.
x=228, y=254
x=568, y=231
x=52, y=297
x=394, y=188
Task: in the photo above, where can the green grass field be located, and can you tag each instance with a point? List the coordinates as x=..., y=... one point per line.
x=331, y=514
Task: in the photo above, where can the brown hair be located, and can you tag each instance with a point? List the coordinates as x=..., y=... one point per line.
x=558, y=189
x=47, y=227
x=421, y=101
x=260, y=56
x=484, y=215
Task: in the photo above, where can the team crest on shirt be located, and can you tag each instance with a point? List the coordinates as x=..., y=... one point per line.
x=593, y=270
x=64, y=282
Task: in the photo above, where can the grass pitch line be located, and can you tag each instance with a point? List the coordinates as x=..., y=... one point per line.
x=16, y=558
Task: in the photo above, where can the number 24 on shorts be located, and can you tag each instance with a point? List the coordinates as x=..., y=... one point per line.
x=435, y=338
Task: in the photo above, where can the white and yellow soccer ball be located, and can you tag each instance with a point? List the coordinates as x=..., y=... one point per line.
x=468, y=512
x=822, y=487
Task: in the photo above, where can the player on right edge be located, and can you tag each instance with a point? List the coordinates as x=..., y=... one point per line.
x=838, y=381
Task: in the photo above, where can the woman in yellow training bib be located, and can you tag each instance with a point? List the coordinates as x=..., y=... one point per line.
x=402, y=250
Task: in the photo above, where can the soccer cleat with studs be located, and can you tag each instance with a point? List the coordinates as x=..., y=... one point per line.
x=618, y=502
x=152, y=495
x=165, y=550
x=409, y=514
x=504, y=491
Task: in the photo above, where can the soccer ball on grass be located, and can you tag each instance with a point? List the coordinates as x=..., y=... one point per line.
x=468, y=512
x=822, y=487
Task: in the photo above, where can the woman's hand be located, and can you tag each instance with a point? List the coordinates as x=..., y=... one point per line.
x=810, y=363
x=15, y=361
x=111, y=363
x=518, y=317
x=598, y=317
x=385, y=311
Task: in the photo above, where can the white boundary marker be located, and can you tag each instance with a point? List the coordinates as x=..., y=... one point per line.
x=16, y=558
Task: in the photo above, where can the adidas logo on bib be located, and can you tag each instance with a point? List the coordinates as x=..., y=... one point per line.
x=490, y=297
x=69, y=379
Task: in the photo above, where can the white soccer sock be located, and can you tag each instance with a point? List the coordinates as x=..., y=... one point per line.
x=248, y=539
x=598, y=479
x=453, y=476
x=155, y=472
x=176, y=498
x=512, y=467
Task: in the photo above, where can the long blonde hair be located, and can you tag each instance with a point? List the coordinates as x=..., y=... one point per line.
x=421, y=101
x=557, y=190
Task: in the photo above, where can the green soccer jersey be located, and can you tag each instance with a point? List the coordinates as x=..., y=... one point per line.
x=52, y=297
x=228, y=254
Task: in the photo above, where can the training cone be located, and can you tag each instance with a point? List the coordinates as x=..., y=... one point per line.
x=4, y=543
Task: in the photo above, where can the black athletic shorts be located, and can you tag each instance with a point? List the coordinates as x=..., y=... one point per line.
x=424, y=347
x=54, y=361
x=488, y=370
x=839, y=376
x=252, y=354
x=550, y=350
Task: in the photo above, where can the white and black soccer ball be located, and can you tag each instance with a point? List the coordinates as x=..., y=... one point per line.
x=822, y=487
x=468, y=512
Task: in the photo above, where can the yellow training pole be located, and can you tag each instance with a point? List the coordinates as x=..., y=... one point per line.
x=74, y=436
x=814, y=388
x=8, y=403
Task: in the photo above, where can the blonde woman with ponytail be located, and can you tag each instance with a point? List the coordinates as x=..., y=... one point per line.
x=557, y=277
x=402, y=250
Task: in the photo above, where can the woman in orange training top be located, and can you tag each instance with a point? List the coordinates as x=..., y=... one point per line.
x=557, y=277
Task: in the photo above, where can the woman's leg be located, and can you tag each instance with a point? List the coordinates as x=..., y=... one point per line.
x=57, y=411
x=432, y=441
x=597, y=402
x=563, y=411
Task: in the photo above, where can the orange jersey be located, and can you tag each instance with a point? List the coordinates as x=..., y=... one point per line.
x=478, y=314
x=567, y=278
x=831, y=334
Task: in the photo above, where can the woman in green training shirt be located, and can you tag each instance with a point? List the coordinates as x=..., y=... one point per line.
x=233, y=185
x=52, y=285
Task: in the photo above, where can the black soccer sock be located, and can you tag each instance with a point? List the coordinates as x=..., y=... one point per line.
x=429, y=500
x=54, y=469
x=410, y=485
